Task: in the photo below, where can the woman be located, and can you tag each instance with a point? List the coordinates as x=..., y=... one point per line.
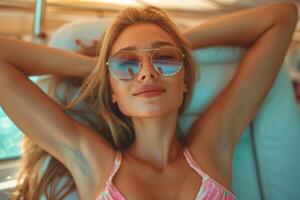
x=142, y=80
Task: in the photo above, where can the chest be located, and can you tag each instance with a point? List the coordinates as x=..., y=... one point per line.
x=178, y=183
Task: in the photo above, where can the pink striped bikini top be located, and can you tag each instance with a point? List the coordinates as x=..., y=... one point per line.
x=210, y=189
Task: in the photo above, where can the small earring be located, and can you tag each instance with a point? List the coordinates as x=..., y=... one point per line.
x=184, y=88
x=114, y=100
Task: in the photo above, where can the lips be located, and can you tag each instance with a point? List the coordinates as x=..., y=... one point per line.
x=149, y=88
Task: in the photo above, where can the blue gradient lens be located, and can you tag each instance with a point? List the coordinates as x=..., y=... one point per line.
x=125, y=65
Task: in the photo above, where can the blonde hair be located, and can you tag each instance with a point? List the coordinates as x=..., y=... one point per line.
x=98, y=112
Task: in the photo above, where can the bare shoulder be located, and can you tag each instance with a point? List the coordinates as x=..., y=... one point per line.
x=83, y=151
x=217, y=130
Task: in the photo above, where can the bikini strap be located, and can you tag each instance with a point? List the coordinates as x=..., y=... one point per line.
x=116, y=166
x=192, y=162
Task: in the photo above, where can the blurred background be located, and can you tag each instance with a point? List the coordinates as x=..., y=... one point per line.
x=36, y=21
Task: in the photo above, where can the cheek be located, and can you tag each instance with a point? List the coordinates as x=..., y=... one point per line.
x=122, y=92
x=127, y=103
x=176, y=91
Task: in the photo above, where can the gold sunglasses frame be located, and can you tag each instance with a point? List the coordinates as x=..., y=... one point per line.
x=139, y=53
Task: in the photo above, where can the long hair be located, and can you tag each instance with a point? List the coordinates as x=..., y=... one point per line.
x=96, y=110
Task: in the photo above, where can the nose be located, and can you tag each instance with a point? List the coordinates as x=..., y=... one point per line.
x=147, y=71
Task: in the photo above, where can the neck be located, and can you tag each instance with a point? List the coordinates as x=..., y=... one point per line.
x=156, y=142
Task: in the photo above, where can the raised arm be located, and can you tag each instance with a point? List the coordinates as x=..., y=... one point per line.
x=42, y=119
x=241, y=27
x=34, y=59
x=219, y=127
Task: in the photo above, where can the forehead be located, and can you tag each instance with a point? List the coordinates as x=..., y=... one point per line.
x=141, y=36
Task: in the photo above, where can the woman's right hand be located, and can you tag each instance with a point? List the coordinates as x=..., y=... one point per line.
x=88, y=50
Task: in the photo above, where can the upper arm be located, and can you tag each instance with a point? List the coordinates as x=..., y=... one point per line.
x=219, y=127
x=44, y=122
x=253, y=80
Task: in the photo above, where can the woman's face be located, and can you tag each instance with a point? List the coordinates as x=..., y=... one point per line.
x=142, y=36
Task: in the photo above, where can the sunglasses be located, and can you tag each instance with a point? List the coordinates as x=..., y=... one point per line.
x=126, y=64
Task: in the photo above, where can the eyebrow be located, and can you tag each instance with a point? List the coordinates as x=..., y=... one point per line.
x=153, y=45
